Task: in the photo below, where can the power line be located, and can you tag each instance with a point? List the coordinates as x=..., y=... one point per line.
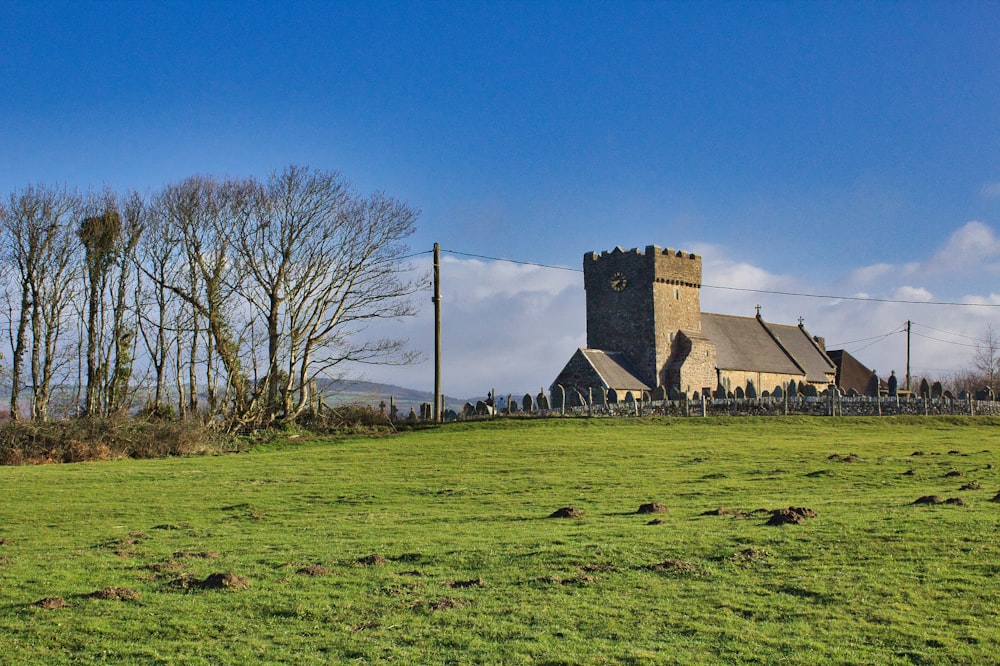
x=864, y=299
x=878, y=339
x=968, y=337
x=947, y=342
x=513, y=261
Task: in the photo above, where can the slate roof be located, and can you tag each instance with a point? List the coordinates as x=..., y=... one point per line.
x=751, y=344
x=615, y=369
x=807, y=354
x=851, y=373
x=744, y=343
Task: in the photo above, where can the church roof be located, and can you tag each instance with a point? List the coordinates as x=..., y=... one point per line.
x=751, y=344
x=611, y=369
x=744, y=343
x=615, y=369
x=806, y=352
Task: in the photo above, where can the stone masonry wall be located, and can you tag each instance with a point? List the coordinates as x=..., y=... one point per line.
x=660, y=295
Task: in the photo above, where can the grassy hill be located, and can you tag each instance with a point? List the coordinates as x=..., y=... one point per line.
x=373, y=393
x=436, y=546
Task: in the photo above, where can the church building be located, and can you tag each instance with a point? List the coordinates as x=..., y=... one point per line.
x=646, y=333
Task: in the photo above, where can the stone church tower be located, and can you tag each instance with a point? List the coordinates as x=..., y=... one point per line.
x=648, y=305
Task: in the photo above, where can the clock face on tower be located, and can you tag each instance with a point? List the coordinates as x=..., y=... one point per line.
x=618, y=281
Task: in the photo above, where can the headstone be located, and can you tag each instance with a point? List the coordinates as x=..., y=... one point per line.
x=542, y=401
x=739, y=393
x=871, y=388
x=751, y=391
x=793, y=389
x=674, y=393
x=893, y=384
x=660, y=393
x=936, y=390
x=777, y=392
x=629, y=398
x=925, y=388
x=809, y=390
x=468, y=410
x=612, y=397
x=527, y=403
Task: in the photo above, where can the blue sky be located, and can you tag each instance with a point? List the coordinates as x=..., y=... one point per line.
x=831, y=147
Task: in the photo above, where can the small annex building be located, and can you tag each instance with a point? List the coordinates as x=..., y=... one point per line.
x=647, y=337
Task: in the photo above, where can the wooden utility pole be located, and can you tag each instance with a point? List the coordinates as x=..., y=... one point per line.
x=438, y=407
x=908, y=354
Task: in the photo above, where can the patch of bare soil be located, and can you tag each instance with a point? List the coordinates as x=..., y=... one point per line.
x=955, y=452
x=472, y=582
x=954, y=473
x=313, y=570
x=224, y=581
x=928, y=499
x=116, y=594
x=795, y=515
x=51, y=603
x=909, y=472
x=996, y=498
x=935, y=499
x=678, y=567
x=971, y=485
x=736, y=513
x=598, y=567
x=849, y=458
x=656, y=521
x=566, y=512
x=917, y=453
x=125, y=546
x=372, y=560
x=652, y=507
x=750, y=555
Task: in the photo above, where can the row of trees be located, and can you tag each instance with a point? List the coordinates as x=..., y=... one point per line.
x=216, y=298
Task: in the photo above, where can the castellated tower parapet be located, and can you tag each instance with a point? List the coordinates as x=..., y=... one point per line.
x=638, y=300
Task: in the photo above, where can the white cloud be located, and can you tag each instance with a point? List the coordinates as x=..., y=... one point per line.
x=972, y=248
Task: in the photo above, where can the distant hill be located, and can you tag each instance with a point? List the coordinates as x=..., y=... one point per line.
x=353, y=391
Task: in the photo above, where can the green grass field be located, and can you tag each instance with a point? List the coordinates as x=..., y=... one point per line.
x=469, y=568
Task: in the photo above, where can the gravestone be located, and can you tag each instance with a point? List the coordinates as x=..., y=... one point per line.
x=527, y=403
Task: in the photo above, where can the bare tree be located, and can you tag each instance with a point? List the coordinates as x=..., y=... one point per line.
x=986, y=361
x=40, y=246
x=317, y=263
